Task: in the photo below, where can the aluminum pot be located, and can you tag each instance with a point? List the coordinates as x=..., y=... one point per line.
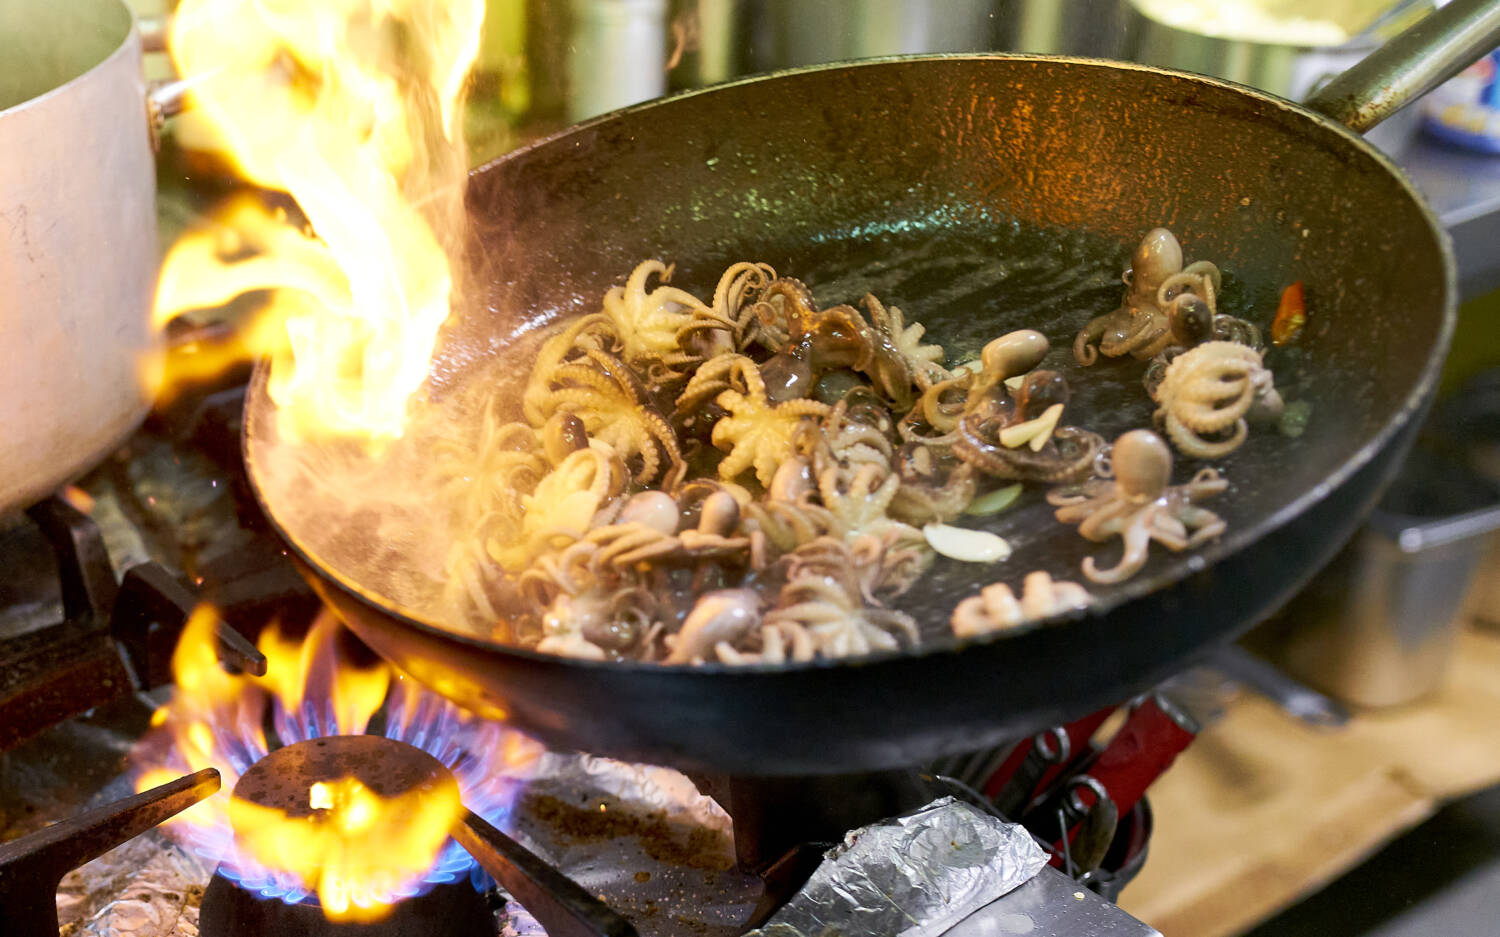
x=1285, y=68
x=1378, y=627
x=78, y=248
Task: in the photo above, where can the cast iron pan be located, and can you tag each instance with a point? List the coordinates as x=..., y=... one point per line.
x=980, y=194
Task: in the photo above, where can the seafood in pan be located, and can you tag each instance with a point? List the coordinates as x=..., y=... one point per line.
x=752, y=477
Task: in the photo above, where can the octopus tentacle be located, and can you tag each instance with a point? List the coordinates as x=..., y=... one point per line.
x=1068, y=455
x=1137, y=538
x=1086, y=342
x=1194, y=444
x=1106, y=520
x=1140, y=505
x=1136, y=336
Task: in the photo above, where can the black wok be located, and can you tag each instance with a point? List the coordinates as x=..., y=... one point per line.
x=980, y=194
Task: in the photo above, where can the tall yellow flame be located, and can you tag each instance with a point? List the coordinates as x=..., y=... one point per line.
x=352, y=107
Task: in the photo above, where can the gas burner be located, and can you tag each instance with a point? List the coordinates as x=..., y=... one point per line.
x=447, y=910
x=359, y=818
x=348, y=802
x=453, y=910
x=314, y=790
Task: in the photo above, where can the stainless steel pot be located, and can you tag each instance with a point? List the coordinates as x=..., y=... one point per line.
x=1378, y=626
x=78, y=248
x=1286, y=67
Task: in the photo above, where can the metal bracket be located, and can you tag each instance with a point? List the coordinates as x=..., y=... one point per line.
x=557, y=902
x=152, y=599
x=31, y=867
x=84, y=571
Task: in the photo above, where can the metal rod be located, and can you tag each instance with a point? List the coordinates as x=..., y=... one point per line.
x=557, y=902
x=1424, y=56
x=31, y=867
x=149, y=598
x=1293, y=697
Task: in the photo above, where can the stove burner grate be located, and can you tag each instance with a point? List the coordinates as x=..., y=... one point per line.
x=115, y=639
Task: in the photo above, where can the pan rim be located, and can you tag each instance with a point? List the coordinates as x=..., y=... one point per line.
x=1206, y=557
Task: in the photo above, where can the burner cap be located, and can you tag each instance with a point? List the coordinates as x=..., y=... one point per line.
x=359, y=819
x=385, y=766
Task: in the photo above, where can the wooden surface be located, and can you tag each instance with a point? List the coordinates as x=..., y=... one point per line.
x=1262, y=810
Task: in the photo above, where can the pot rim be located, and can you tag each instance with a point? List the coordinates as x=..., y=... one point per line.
x=129, y=45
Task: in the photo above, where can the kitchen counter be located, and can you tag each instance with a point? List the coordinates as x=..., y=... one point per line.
x=1262, y=811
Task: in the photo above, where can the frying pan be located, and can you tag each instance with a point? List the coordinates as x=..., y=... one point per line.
x=980, y=193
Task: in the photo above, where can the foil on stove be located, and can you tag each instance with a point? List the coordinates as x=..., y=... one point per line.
x=912, y=876
x=145, y=888
x=647, y=787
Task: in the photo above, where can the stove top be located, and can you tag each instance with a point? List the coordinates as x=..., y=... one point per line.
x=101, y=583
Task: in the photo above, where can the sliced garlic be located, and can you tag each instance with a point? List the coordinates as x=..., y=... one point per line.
x=970, y=546
x=1014, y=383
x=1036, y=432
x=1049, y=418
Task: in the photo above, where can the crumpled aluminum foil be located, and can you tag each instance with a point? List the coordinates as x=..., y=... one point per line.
x=146, y=888
x=912, y=876
x=648, y=787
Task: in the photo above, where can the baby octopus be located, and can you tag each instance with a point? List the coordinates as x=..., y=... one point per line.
x=1140, y=505
x=757, y=432
x=1015, y=436
x=1207, y=393
x=648, y=321
x=577, y=373
x=996, y=608
x=1156, y=284
x=819, y=341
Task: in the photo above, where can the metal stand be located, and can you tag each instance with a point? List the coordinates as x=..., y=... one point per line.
x=31, y=867
x=557, y=902
x=115, y=638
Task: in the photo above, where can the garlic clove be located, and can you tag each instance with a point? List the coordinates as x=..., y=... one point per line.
x=970, y=546
x=1048, y=421
x=1036, y=432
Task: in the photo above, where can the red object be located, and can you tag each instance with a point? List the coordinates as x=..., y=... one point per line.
x=1007, y=769
x=1139, y=753
x=1079, y=733
x=1291, y=316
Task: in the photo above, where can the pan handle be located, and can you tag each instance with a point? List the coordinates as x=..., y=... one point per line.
x=1435, y=49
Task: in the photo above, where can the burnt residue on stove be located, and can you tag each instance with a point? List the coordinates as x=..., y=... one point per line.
x=668, y=843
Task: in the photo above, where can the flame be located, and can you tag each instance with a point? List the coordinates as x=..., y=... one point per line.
x=351, y=107
x=356, y=848
x=358, y=852
x=78, y=499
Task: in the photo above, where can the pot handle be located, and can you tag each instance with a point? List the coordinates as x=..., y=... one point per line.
x=165, y=99
x=1436, y=48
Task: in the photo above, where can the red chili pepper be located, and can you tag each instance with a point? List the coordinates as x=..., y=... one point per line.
x=1291, y=316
